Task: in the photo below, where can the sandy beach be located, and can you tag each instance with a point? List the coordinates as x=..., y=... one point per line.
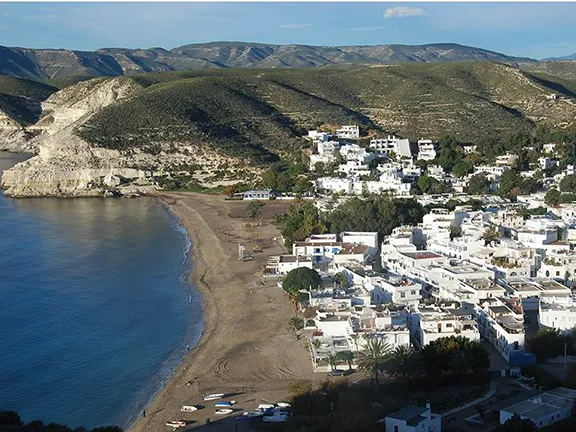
x=247, y=348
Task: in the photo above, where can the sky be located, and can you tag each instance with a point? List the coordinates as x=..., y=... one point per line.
x=536, y=30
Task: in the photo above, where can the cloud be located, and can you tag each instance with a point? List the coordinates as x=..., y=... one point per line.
x=295, y=26
x=360, y=29
x=403, y=11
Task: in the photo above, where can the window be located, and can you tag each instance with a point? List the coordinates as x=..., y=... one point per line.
x=557, y=273
x=413, y=292
x=316, y=250
x=402, y=294
x=448, y=324
x=395, y=428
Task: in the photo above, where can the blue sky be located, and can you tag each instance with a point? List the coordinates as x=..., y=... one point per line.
x=535, y=30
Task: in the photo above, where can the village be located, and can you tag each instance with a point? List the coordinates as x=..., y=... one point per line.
x=495, y=272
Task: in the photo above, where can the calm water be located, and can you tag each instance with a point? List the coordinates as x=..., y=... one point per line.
x=95, y=309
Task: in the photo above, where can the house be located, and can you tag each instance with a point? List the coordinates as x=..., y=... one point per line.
x=318, y=137
x=428, y=323
x=558, y=316
x=506, y=160
x=501, y=326
x=394, y=289
x=549, y=148
x=369, y=239
x=468, y=149
x=283, y=264
x=426, y=150
x=258, y=194
x=351, y=132
x=386, y=146
x=414, y=419
x=543, y=410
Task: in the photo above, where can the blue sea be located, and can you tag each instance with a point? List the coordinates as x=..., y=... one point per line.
x=95, y=307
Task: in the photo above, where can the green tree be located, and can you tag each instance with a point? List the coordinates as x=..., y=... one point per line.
x=300, y=222
x=295, y=323
x=553, y=197
x=341, y=280
x=346, y=356
x=269, y=179
x=517, y=424
x=254, y=209
x=461, y=169
x=316, y=343
x=547, y=343
x=372, y=360
x=333, y=361
x=490, y=235
x=455, y=231
x=478, y=185
x=299, y=279
x=510, y=183
x=403, y=362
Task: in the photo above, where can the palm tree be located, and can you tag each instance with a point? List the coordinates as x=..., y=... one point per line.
x=346, y=356
x=402, y=362
x=333, y=361
x=316, y=343
x=373, y=359
x=355, y=337
x=296, y=324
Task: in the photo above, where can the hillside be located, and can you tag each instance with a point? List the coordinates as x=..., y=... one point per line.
x=561, y=69
x=256, y=112
x=44, y=64
x=219, y=126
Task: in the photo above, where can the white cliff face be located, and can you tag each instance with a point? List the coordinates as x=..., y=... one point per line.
x=67, y=166
x=13, y=136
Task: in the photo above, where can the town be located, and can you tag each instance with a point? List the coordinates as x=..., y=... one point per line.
x=478, y=266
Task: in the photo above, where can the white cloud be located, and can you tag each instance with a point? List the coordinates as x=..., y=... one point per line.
x=295, y=26
x=403, y=11
x=359, y=29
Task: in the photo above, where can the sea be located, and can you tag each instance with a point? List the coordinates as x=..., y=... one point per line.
x=96, y=310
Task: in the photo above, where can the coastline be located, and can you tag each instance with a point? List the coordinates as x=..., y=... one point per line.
x=246, y=348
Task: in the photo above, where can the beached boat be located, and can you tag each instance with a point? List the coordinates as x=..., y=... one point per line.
x=176, y=423
x=224, y=404
x=189, y=408
x=213, y=396
x=283, y=405
x=253, y=414
x=223, y=411
x=265, y=406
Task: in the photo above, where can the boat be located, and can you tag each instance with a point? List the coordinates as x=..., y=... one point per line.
x=223, y=411
x=213, y=396
x=189, y=408
x=265, y=406
x=283, y=405
x=276, y=418
x=176, y=423
x=224, y=404
x=253, y=414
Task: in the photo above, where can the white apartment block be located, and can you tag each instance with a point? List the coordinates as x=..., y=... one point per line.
x=386, y=146
x=335, y=185
x=318, y=137
x=426, y=150
x=353, y=152
x=348, y=132
x=369, y=239
x=532, y=290
x=492, y=172
x=393, y=289
x=556, y=315
x=283, y=264
x=501, y=326
x=429, y=323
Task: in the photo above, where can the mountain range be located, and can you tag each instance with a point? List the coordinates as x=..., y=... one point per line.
x=570, y=57
x=44, y=64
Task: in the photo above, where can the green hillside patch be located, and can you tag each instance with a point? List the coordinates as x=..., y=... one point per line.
x=25, y=88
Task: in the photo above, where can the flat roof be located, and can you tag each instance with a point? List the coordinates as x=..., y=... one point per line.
x=409, y=413
x=544, y=404
x=421, y=255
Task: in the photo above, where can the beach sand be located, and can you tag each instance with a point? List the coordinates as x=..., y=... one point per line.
x=247, y=348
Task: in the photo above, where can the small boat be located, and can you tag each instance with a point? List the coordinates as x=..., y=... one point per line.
x=253, y=414
x=213, y=396
x=189, y=408
x=176, y=423
x=224, y=404
x=283, y=405
x=266, y=406
x=223, y=411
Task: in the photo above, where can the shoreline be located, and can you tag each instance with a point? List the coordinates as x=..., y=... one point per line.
x=246, y=348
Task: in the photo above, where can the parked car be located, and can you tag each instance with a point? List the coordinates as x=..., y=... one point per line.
x=337, y=373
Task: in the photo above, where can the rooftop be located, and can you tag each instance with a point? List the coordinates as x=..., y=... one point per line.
x=412, y=414
x=544, y=404
x=421, y=255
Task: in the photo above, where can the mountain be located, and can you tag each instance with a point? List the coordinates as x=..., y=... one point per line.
x=126, y=134
x=565, y=58
x=44, y=64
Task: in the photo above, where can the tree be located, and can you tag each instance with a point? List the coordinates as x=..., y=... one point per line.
x=299, y=279
x=372, y=360
x=455, y=231
x=254, y=209
x=296, y=324
x=341, y=280
x=269, y=179
x=568, y=183
x=333, y=361
x=230, y=190
x=316, y=343
x=553, y=197
x=517, y=424
x=403, y=362
x=461, y=169
x=547, y=343
x=478, y=185
x=490, y=235
x=346, y=356
x=300, y=222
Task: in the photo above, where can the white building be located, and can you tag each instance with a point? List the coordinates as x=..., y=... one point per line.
x=369, y=239
x=414, y=419
x=558, y=316
x=335, y=185
x=501, y=326
x=426, y=150
x=386, y=146
x=283, y=264
x=393, y=289
x=492, y=172
x=544, y=409
x=350, y=132
x=550, y=148
x=318, y=137
x=429, y=323
x=353, y=152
